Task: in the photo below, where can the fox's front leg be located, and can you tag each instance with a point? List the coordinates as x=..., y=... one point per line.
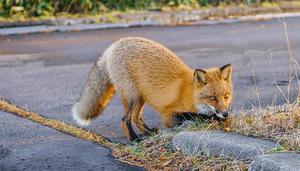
x=141, y=125
x=168, y=120
x=138, y=119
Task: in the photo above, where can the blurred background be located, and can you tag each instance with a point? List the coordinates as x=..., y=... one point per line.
x=41, y=8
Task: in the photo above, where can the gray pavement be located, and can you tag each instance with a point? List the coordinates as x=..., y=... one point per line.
x=46, y=72
x=25, y=145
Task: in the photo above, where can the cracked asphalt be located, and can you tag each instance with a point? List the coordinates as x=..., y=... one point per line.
x=45, y=73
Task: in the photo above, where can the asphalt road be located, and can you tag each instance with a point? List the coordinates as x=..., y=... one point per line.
x=25, y=145
x=46, y=72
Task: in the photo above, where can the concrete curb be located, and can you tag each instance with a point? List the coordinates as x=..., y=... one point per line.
x=225, y=145
x=63, y=28
x=236, y=147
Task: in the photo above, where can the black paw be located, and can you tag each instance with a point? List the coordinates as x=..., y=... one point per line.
x=133, y=137
x=138, y=139
x=155, y=130
x=152, y=131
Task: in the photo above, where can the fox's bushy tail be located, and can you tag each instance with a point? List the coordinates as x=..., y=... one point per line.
x=95, y=96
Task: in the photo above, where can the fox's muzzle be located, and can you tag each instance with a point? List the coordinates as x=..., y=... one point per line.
x=210, y=111
x=222, y=115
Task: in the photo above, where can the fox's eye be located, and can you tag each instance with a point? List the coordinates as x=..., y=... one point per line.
x=225, y=97
x=213, y=98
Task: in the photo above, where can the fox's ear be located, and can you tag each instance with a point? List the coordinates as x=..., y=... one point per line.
x=226, y=72
x=200, y=76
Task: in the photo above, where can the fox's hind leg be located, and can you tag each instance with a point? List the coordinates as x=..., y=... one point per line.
x=130, y=105
x=133, y=113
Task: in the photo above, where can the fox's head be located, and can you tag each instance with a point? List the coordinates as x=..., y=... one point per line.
x=213, y=91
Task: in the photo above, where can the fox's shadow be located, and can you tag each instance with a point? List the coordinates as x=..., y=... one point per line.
x=180, y=118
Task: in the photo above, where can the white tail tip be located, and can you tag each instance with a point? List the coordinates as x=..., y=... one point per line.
x=79, y=120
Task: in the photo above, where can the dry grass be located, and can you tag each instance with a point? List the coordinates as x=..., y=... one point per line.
x=281, y=124
x=156, y=153
x=153, y=153
x=58, y=125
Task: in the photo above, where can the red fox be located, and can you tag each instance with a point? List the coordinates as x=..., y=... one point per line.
x=146, y=72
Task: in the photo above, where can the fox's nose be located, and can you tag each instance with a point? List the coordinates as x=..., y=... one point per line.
x=225, y=114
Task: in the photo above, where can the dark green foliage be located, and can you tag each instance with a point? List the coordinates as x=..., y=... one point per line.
x=30, y=8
